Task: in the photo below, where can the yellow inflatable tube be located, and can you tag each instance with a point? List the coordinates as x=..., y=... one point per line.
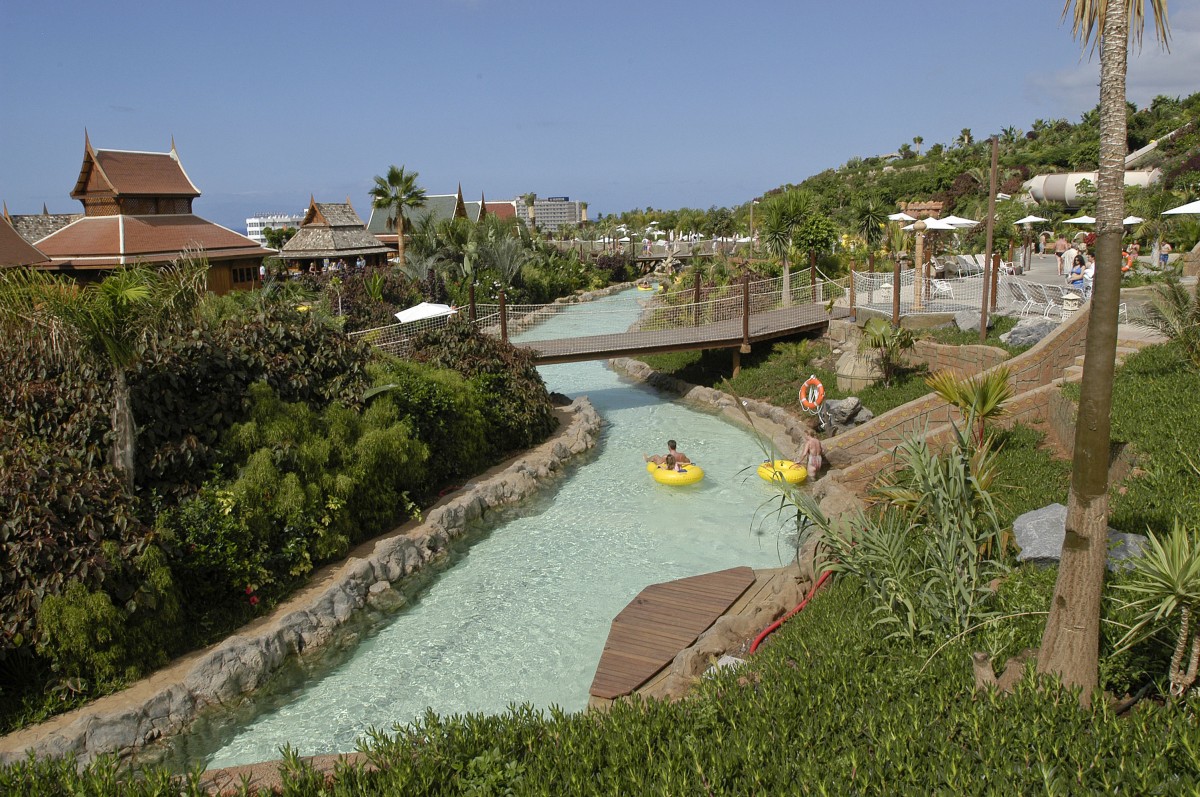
x=689, y=475
x=783, y=470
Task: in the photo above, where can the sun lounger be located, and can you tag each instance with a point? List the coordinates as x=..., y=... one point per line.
x=1022, y=302
x=941, y=289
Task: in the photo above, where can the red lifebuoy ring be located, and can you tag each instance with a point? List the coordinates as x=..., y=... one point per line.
x=812, y=394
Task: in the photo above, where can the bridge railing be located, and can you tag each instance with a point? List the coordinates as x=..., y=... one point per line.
x=661, y=312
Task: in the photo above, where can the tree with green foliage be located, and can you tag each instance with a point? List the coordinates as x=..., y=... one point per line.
x=276, y=238
x=1071, y=643
x=397, y=192
x=109, y=320
x=888, y=343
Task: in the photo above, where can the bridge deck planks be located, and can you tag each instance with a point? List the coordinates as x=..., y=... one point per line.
x=720, y=334
x=661, y=621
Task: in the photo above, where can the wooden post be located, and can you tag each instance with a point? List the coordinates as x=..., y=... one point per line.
x=503, y=319
x=696, y=300
x=471, y=298
x=746, y=313
x=737, y=362
x=995, y=279
x=853, y=310
x=919, y=265
x=812, y=272
x=895, y=290
x=987, y=260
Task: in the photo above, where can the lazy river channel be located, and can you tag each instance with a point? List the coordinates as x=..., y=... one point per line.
x=522, y=612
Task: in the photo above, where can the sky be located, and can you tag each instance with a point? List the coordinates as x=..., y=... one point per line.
x=620, y=104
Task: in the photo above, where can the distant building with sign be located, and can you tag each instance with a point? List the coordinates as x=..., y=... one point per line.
x=550, y=213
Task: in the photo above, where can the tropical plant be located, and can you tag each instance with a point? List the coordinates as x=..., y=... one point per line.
x=979, y=398
x=1071, y=642
x=889, y=344
x=1165, y=584
x=506, y=256
x=1174, y=312
x=871, y=223
x=108, y=320
x=397, y=192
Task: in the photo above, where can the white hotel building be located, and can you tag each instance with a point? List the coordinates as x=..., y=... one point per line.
x=256, y=224
x=552, y=212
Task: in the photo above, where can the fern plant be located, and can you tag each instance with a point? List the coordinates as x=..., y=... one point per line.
x=1175, y=314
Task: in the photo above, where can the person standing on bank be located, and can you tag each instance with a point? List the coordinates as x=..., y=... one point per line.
x=1060, y=246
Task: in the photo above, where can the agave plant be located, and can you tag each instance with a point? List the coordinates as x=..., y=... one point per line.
x=1166, y=584
x=889, y=344
x=1175, y=314
x=980, y=398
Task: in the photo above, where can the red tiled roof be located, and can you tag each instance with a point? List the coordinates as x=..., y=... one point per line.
x=104, y=240
x=501, y=210
x=15, y=250
x=139, y=174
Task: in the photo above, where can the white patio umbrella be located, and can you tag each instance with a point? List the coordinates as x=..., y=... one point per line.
x=959, y=221
x=933, y=224
x=1030, y=220
x=1080, y=220
x=1133, y=220
x=902, y=216
x=1191, y=207
x=423, y=311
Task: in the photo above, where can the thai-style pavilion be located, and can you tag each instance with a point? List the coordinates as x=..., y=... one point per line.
x=438, y=207
x=15, y=250
x=137, y=208
x=333, y=232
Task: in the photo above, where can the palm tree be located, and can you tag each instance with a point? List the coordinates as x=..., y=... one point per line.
x=108, y=320
x=530, y=199
x=964, y=138
x=395, y=193
x=872, y=225
x=918, y=140
x=1071, y=642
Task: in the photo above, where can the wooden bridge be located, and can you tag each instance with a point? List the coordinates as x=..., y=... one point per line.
x=733, y=317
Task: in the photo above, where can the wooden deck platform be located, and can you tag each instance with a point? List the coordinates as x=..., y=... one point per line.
x=661, y=621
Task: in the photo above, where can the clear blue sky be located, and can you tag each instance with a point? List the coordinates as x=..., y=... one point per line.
x=620, y=104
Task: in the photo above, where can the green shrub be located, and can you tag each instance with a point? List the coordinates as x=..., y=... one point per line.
x=446, y=413
x=86, y=636
x=516, y=406
x=1028, y=476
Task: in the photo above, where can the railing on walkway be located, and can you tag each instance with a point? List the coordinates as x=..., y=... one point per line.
x=745, y=309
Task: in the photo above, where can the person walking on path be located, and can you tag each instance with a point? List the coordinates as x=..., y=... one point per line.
x=1060, y=246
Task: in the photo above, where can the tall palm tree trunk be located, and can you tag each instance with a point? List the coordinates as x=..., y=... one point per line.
x=1071, y=642
x=400, y=260
x=787, y=280
x=124, y=431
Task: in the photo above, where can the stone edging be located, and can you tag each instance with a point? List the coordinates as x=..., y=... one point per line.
x=168, y=701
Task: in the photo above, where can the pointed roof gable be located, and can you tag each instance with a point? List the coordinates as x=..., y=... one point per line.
x=114, y=172
x=460, y=207
x=15, y=250
x=331, y=229
x=482, y=207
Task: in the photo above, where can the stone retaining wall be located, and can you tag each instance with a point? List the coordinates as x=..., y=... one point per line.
x=962, y=361
x=169, y=700
x=1029, y=370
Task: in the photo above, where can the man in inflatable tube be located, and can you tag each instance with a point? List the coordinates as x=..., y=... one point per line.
x=659, y=459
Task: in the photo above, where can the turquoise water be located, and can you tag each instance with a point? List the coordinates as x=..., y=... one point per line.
x=522, y=615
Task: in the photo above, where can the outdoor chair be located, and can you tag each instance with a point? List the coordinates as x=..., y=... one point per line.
x=1038, y=300
x=941, y=289
x=968, y=267
x=1021, y=299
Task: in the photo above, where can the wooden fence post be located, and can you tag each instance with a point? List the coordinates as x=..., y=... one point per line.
x=696, y=300
x=471, y=298
x=853, y=308
x=745, y=314
x=503, y=319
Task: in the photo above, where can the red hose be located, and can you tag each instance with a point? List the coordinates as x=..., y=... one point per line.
x=766, y=632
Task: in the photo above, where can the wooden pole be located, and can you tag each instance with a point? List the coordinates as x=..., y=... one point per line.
x=895, y=290
x=987, y=258
x=853, y=310
x=471, y=298
x=503, y=319
x=696, y=300
x=746, y=313
x=919, y=265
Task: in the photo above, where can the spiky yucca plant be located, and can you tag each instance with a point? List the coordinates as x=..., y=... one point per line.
x=1165, y=583
x=979, y=398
